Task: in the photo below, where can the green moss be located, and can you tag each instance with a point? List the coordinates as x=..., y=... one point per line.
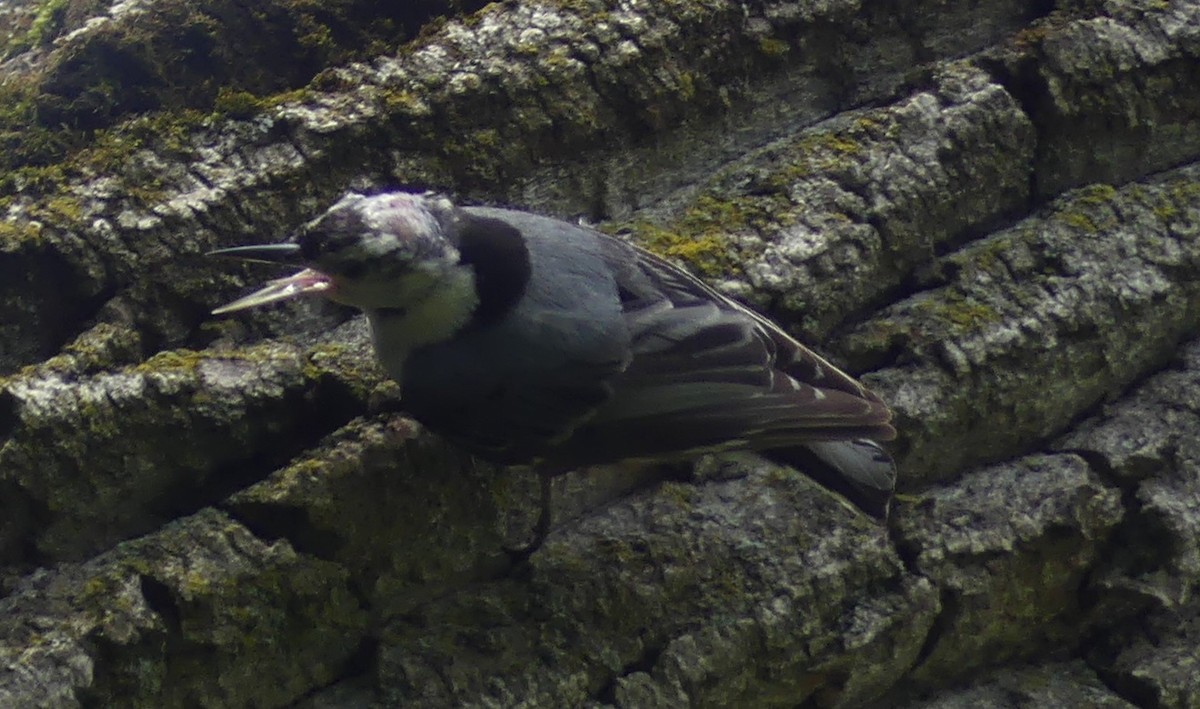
x=479, y=157
x=1089, y=211
x=236, y=104
x=488, y=138
x=589, y=11
x=96, y=587
x=1096, y=194
x=347, y=370
x=24, y=139
x=706, y=254
x=19, y=233
x=99, y=422
x=961, y=312
x=617, y=550
x=774, y=48
x=1079, y=221
x=46, y=24
x=528, y=49
x=844, y=144
x=682, y=495
x=196, y=584
x=48, y=21
x=909, y=499
x=430, y=30
x=33, y=134
x=111, y=152
x=404, y=101
x=283, y=98
x=1165, y=211
x=1185, y=191
x=176, y=360
x=1168, y=201
x=701, y=237
x=319, y=38
x=305, y=468
x=781, y=477
x=687, y=86
x=63, y=208
x=1030, y=37
x=40, y=126
x=819, y=152
x=163, y=131
x=869, y=125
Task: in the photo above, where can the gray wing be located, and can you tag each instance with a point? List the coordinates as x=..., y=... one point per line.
x=709, y=374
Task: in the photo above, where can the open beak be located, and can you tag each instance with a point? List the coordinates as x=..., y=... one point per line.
x=302, y=283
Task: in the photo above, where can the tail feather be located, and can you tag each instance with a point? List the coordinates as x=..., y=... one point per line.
x=859, y=470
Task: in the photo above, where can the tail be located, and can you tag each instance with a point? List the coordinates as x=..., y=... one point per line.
x=859, y=470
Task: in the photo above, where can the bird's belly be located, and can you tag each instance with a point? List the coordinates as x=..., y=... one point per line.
x=451, y=401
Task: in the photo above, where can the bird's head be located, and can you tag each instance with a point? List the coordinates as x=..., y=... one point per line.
x=375, y=253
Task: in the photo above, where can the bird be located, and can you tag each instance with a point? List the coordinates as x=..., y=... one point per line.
x=529, y=340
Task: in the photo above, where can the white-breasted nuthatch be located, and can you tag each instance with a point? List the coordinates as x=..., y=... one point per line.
x=529, y=340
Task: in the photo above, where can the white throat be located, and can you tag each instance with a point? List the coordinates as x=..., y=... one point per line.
x=433, y=314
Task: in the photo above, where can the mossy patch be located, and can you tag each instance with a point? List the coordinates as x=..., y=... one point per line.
x=1168, y=202
x=110, y=152
x=702, y=237
x=962, y=312
x=236, y=103
x=19, y=233
x=188, y=360
x=1089, y=215
x=773, y=47
x=1096, y=194
x=173, y=360
x=706, y=254
x=819, y=152
x=180, y=58
x=24, y=139
x=43, y=27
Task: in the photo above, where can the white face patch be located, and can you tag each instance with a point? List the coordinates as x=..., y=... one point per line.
x=380, y=290
x=430, y=315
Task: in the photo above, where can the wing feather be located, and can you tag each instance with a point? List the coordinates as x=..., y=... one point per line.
x=710, y=374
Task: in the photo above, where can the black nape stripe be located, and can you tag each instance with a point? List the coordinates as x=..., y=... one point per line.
x=498, y=253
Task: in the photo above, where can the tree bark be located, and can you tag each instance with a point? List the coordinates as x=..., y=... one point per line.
x=989, y=210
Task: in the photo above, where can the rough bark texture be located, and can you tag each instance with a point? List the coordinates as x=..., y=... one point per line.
x=990, y=210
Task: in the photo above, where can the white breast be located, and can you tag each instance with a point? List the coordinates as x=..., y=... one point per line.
x=432, y=315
